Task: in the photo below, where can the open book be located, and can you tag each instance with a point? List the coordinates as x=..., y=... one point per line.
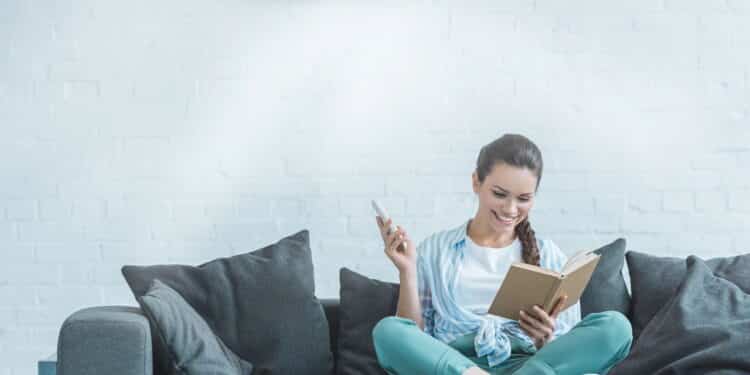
x=527, y=285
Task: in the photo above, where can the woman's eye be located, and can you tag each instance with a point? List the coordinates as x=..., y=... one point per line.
x=501, y=195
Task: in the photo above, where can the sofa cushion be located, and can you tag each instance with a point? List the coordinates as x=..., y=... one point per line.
x=702, y=329
x=363, y=302
x=261, y=304
x=606, y=289
x=193, y=348
x=655, y=279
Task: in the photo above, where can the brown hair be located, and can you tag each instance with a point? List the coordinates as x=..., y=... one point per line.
x=518, y=151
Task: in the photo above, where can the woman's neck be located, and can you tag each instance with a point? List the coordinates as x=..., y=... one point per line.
x=482, y=235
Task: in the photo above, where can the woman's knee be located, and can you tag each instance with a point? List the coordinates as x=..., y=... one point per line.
x=390, y=329
x=617, y=328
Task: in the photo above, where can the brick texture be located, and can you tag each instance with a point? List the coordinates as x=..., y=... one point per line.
x=154, y=133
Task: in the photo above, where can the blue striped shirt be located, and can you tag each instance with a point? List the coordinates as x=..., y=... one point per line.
x=439, y=260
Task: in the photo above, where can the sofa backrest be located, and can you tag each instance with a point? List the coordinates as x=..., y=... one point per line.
x=331, y=308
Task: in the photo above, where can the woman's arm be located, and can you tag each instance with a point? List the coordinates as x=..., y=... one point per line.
x=406, y=261
x=415, y=300
x=408, y=298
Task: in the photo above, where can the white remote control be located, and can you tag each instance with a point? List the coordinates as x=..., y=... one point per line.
x=380, y=210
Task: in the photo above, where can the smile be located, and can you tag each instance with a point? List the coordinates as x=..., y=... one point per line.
x=503, y=219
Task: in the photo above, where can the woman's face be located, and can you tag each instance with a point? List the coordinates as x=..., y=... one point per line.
x=506, y=196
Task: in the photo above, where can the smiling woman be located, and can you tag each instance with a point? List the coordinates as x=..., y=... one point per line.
x=506, y=192
x=442, y=325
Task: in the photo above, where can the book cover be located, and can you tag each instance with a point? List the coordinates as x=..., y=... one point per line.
x=527, y=285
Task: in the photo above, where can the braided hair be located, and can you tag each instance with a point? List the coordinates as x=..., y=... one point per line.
x=518, y=151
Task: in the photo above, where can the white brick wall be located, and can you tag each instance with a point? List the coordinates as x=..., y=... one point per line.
x=144, y=132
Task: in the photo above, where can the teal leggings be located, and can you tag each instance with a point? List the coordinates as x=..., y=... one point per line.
x=594, y=345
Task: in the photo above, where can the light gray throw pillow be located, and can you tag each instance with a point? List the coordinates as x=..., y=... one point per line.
x=193, y=348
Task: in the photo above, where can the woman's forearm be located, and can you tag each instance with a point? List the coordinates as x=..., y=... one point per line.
x=408, y=298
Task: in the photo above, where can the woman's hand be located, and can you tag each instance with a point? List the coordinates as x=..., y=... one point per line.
x=540, y=326
x=405, y=261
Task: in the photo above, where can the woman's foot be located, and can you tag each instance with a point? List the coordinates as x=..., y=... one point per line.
x=475, y=371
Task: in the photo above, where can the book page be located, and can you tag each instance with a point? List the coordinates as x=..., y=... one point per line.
x=535, y=268
x=575, y=260
x=574, y=283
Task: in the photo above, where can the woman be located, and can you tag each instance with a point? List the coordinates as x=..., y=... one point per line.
x=448, y=282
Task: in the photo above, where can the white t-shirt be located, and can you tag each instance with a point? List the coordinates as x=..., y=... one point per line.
x=483, y=271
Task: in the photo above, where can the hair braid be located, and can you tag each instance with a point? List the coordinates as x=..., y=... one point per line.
x=528, y=241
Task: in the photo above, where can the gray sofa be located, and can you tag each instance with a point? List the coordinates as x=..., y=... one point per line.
x=116, y=340
x=704, y=303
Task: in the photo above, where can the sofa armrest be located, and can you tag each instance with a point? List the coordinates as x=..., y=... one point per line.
x=113, y=340
x=47, y=366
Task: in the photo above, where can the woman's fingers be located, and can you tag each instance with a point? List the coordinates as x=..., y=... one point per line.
x=381, y=228
x=396, y=239
x=383, y=225
x=539, y=326
x=390, y=238
x=543, y=317
x=393, y=239
x=392, y=242
x=559, y=306
x=384, y=232
x=535, y=332
x=530, y=329
x=530, y=319
x=404, y=236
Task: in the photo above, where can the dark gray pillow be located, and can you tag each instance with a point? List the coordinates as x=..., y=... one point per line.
x=363, y=302
x=653, y=280
x=607, y=289
x=261, y=304
x=193, y=348
x=703, y=329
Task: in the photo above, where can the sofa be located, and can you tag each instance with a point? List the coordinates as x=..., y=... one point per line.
x=689, y=316
x=116, y=340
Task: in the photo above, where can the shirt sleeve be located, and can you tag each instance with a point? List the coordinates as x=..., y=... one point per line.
x=425, y=294
x=567, y=319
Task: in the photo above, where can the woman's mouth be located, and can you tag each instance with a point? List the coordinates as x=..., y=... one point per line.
x=502, y=219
